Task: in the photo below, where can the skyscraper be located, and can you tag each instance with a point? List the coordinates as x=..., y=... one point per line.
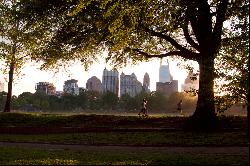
x=164, y=73
x=110, y=81
x=146, y=83
x=129, y=85
x=166, y=84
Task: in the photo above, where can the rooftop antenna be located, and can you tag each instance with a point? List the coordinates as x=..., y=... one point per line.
x=162, y=60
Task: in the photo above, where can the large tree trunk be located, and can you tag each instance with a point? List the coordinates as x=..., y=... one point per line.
x=9, y=93
x=204, y=116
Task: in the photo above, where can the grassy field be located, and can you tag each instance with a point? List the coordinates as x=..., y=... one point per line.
x=101, y=120
x=233, y=132
x=25, y=156
x=236, y=138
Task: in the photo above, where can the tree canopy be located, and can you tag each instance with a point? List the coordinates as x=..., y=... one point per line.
x=134, y=31
x=18, y=40
x=233, y=61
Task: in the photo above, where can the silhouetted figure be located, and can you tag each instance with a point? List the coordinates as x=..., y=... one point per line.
x=144, y=111
x=179, y=106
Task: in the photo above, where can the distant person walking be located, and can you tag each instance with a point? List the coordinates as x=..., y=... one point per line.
x=179, y=106
x=144, y=111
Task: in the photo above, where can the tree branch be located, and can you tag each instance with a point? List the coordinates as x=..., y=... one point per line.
x=187, y=36
x=221, y=12
x=190, y=54
x=190, y=14
x=166, y=37
x=171, y=53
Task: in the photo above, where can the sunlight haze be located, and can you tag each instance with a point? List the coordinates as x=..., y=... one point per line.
x=32, y=75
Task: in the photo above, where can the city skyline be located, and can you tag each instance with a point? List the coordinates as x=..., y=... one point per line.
x=34, y=75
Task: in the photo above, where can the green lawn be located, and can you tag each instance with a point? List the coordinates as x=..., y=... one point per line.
x=110, y=121
x=36, y=156
x=24, y=156
x=136, y=138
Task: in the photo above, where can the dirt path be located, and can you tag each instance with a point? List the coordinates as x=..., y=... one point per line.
x=230, y=150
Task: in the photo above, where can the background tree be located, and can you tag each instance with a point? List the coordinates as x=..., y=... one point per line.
x=127, y=103
x=2, y=99
x=23, y=99
x=40, y=100
x=55, y=103
x=17, y=39
x=157, y=102
x=109, y=100
x=82, y=100
x=94, y=100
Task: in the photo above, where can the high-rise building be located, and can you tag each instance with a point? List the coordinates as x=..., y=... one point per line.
x=94, y=84
x=71, y=87
x=46, y=87
x=110, y=81
x=191, y=82
x=164, y=73
x=146, y=83
x=166, y=84
x=1, y=86
x=129, y=85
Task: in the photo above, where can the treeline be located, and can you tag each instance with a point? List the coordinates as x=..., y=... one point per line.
x=91, y=100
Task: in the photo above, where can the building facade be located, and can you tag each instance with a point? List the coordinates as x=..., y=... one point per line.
x=146, y=83
x=166, y=84
x=129, y=85
x=71, y=87
x=110, y=81
x=45, y=87
x=164, y=73
x=94, y=84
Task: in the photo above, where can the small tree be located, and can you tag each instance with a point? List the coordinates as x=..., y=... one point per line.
x=17, y=39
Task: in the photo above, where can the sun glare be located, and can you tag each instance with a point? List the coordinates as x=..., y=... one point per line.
x=32, y=75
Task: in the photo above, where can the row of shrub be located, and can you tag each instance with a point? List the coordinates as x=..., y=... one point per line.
x=91, y=100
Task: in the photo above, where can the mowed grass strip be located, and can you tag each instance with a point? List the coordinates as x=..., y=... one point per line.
x=108, y=121
x=82, y=120
x=33, y=156
x=180, y=138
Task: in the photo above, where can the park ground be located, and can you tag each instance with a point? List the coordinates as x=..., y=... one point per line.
x=73, y=139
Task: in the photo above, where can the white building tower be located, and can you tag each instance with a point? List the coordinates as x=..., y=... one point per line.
x=146, y=83
x=164, y=73
x=110, y=81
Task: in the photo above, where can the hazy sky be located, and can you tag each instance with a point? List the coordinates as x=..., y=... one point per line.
x=33, y=75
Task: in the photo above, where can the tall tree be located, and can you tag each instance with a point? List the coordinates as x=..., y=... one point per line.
x=142, y=29
x=16, y=41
